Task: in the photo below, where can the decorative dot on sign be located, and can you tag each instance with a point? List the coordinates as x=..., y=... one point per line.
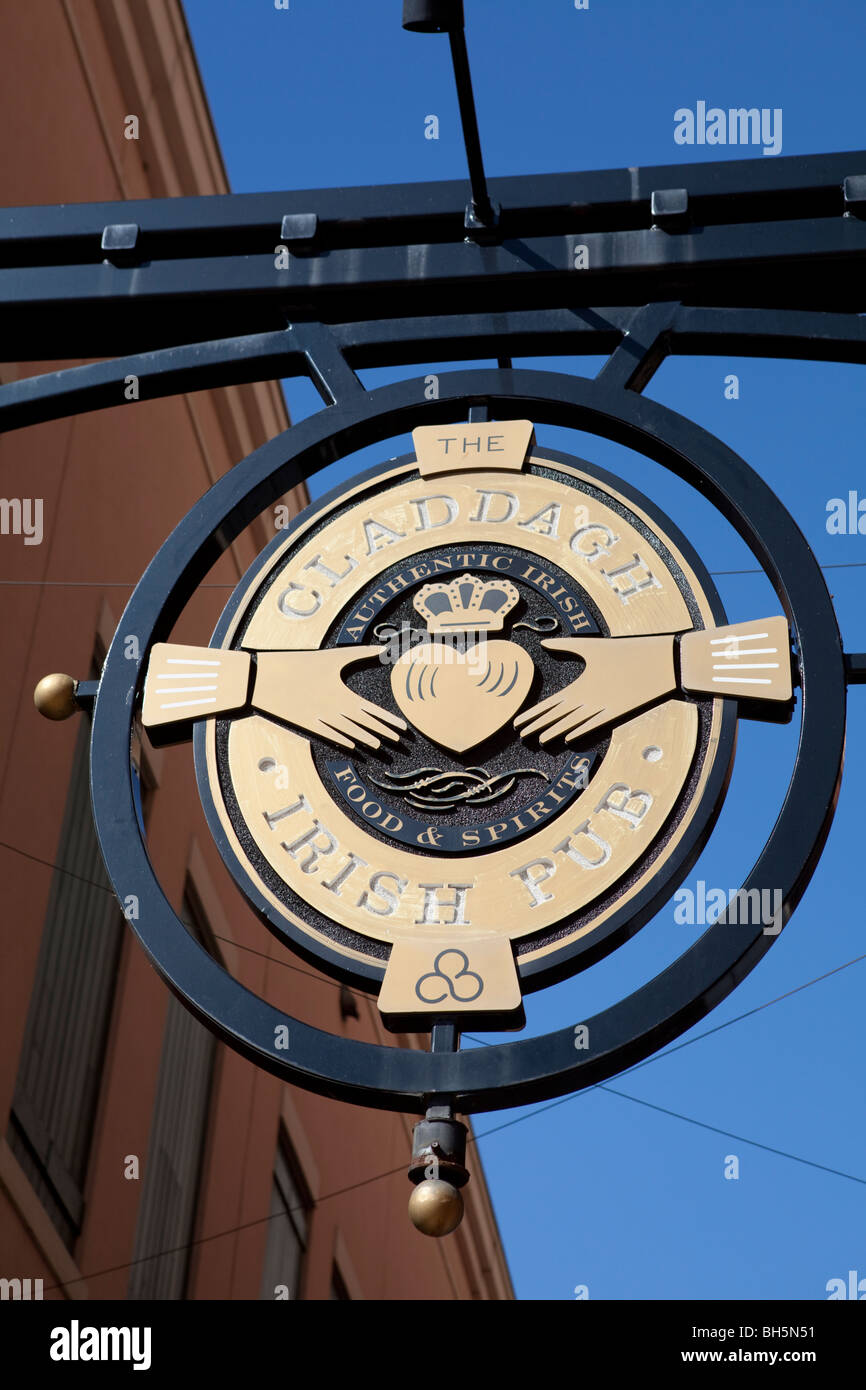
x=652, y=754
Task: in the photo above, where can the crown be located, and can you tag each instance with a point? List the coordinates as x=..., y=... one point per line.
x=466, y=604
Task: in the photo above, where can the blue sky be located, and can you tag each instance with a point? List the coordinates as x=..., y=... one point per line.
x=600, y=1190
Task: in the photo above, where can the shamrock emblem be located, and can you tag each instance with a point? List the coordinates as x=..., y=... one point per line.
x=429, y=987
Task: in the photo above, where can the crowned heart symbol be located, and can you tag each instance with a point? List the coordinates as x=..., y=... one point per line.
x=459, y=698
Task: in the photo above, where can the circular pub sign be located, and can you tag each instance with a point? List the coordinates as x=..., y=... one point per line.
x=467, y=722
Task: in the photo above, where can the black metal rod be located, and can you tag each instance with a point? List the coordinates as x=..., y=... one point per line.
x=481, y=204
x=85, y=695
x=444, y=1037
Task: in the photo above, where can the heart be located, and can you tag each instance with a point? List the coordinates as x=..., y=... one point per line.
x=460, y=698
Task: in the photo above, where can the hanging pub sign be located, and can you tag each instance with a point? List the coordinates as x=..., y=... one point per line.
x=467, y=722
x=461, y=729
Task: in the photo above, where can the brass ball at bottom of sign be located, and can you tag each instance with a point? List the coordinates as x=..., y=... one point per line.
x=54, y=696
x=436, y=1207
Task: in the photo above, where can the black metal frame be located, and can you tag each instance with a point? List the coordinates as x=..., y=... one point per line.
x=188, y=288
x=511, y=1073
x=117, y=278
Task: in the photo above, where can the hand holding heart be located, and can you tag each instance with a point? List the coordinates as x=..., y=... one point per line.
x=622, y=675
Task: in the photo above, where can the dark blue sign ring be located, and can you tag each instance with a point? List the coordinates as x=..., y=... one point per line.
x=534, y=1068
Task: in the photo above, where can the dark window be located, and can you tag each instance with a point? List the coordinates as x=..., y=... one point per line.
x=63, y=1050
x=288, y=1228
x=172, y=1175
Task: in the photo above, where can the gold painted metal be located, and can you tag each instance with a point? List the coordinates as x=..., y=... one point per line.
x=353, y=954
x=621, y=676
x=283, y=802
x=374, y=886
x=607, y=556
x=186, y=683
x=751, y=661
x=450, y=448
x=54, y=696
x=466, y=604
x=304, y=688
x=453, y=973
x=435, y=1207
x=307, y=690
x=650, y=867
x=459, y=698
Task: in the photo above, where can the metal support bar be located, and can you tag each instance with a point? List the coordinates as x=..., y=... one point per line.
x=758, y=235
x=537, y=333
x=444, y=1037
x=329, y=371
x=446, y=17
x=480, y=212
x=85, y=695
x=641, y=350
x=722, y=192
x=102, y=310
x=195, y=367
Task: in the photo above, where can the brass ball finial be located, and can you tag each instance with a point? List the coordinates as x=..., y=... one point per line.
x=54, y=696
x=436, y=1207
